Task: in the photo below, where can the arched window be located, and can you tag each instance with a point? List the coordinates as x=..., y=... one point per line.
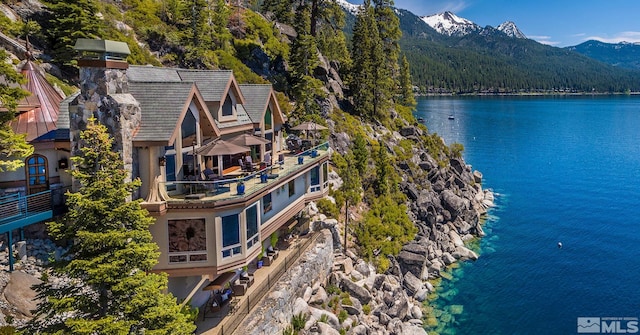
x=37, y=174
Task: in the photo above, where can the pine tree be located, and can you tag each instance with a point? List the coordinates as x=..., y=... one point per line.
x=107, y=286
x=71, y=20
x=405, y=86
x=360, y=154
x=304, y=59
x=365, y=33
x=13, y=147
x=383, y=172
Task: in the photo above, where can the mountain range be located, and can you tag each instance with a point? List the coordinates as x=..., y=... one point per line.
x=450, y=54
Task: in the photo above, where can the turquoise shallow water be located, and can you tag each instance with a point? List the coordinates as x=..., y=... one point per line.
x=566, y=169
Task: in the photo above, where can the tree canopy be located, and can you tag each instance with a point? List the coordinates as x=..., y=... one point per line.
x=106, y=287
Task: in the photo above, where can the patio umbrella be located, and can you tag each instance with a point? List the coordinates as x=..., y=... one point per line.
x=308, y=126
x=221, y=147
x=248, y=139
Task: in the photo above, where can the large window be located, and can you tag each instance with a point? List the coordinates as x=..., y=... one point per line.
x=252, y=226
x=315, y=179
x=268, y=123
x=231, y=235
x=227, y=108
x=292, y=188
x=187, y=241
x=266, y=203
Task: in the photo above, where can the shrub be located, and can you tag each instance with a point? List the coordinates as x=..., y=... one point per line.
x=342, y=316
x=324, y=318
x=328, y=208
x=7, y=330
x=298, y=321
x=366, y=309
x=332, y=289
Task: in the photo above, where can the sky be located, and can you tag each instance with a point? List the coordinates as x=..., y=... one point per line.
x=559, y=23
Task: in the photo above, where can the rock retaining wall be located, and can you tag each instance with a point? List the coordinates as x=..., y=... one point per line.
x=274, y=313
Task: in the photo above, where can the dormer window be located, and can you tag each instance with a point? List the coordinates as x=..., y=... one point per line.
x=227, y=108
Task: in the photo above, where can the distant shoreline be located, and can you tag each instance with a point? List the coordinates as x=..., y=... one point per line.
x=526, y=94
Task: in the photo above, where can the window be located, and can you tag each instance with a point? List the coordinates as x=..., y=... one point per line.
x=292, y=188
x=227, y=108
x=230, y=235
x=268, y=123
x=315, y=179
x=252, y=225
x=325, y=174
x=37, y=174
x=266, y=203
x=187, y=241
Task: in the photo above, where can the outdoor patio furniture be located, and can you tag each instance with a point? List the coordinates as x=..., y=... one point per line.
x=248, y=278
x=239, y=287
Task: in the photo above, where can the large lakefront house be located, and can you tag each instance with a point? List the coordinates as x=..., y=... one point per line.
x=216, y=173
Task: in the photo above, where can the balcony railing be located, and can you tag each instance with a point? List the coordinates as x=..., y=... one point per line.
x=17, y=211
x=226, y=189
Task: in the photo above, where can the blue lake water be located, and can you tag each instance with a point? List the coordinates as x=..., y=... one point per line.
x=567, y=169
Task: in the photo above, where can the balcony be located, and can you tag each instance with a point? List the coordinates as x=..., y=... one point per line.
x=18, y=211
x=208, y=193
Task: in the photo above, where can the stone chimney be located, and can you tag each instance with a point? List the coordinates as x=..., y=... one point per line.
x=104, y=95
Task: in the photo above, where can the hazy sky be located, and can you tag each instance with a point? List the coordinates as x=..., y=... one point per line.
x=555, y=22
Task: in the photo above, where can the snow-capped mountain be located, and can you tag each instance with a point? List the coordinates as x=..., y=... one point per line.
x=349, y=7
x=511, y=30
x=450, y=24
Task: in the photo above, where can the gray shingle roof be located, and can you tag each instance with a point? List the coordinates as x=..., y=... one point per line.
x=152, y=74
x=161, y=107
x=211, y=83
x=257, y=103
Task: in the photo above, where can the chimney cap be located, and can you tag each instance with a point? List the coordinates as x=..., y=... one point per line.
x=102, y=46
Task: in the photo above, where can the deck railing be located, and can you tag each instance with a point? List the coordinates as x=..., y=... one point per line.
x=227, y=188
x=17, y=211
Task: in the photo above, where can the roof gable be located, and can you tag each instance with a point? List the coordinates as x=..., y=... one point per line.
x=164, y=106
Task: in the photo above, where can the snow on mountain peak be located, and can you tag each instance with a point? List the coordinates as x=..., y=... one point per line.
x=511, y=30
x=349, y=7
x=450, y=24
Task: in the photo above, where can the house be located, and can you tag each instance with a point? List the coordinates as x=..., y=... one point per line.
x=169, y=126
x=34, y=193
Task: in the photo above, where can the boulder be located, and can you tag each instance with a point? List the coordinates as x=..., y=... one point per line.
x=355, y=291
x=448, y=259
x=464, y=253
x=360, y=330
x=19, y=293
x=455, y=238
x=400, y=308
x=306, y=296
x=325, y=329
x=453, y=203
x=410, y=262
x=320, y=297
x=364, y=268
x=412, y=283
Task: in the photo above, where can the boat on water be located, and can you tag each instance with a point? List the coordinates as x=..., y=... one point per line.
x=421, y=119
x=451, y=117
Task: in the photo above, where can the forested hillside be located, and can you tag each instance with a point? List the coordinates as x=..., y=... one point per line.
x=492, y=62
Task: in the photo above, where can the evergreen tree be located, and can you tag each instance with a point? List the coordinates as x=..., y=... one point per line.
x=13, y=147
x=405, y=86
x=365, y=33
x=360, y=154
x=107, y=286
x=383, y=172
x=71, y=20
x=304, y=59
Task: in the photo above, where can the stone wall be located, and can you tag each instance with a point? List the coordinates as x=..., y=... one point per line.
x=273, y=314
x=105, y=96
